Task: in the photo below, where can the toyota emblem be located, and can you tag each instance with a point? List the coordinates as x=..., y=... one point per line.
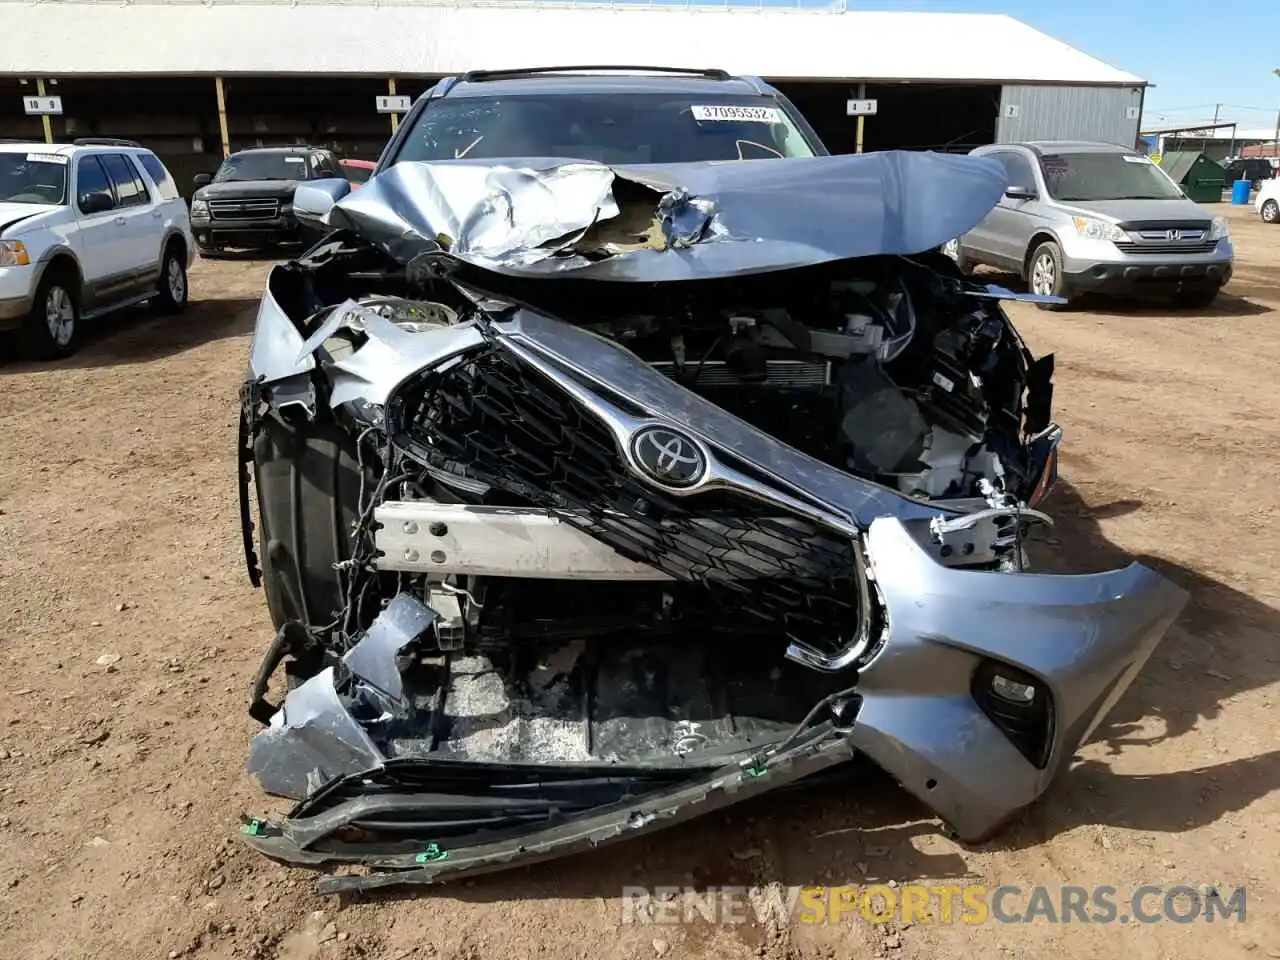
x=668, y=457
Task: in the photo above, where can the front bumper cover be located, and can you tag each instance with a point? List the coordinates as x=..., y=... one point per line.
x=1136, y=276
x=213, y=233
x=1083, y=639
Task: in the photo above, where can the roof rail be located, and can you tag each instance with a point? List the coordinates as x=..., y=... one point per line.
x=474, y=76
x=104, y=142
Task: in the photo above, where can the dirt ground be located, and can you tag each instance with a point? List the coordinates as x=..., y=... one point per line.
x=129, y=633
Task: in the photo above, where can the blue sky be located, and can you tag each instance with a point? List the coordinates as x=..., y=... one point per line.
x=1196, y=61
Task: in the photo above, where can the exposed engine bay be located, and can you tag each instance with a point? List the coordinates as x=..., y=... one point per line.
x=551, y=538
x=887, y=369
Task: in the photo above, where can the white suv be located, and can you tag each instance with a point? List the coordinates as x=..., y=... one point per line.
x=1268, y=200
x=86, y=228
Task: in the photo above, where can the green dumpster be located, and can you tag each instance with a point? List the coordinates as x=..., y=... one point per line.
x=1201, y=179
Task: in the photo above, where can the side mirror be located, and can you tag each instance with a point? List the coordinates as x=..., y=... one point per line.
x=201, y=180
x=313, y=201
x=1021, y=193
x=95, y=202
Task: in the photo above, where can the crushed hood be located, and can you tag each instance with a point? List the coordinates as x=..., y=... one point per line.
x=663, y=222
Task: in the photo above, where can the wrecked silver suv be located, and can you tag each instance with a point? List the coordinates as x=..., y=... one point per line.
x=592, y=499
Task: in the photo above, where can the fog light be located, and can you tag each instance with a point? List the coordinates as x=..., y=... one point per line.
x=1020, y=705
x=1012, y=690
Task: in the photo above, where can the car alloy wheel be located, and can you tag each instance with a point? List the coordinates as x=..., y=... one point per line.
x=1270, y=212
x=59, y=315
x=1043, y=275
x=176, y=279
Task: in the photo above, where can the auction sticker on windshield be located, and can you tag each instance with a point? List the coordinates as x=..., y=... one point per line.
x=47, y=158
x=737, y=114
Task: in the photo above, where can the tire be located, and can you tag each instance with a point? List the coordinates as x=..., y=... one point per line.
x=307, y=481
x=1197, y=298
x=1271, y=212
x=1045, y=276
x=174, y=290
x=43, y=337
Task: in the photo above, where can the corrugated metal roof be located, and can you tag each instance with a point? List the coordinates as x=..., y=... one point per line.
x=218, y=36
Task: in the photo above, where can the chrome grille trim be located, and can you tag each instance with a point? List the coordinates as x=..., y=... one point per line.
x=251, y=208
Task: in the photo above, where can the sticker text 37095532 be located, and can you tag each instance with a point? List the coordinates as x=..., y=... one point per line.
x=737, y=114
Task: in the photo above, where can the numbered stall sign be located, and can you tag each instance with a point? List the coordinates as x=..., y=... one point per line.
x=393, y=104
x=42, y=106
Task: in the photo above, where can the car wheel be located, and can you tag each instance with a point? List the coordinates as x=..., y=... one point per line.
x=1045, y=276
x=1271, y=212
x=172, y=297
x=51, y=329
x=307, y=482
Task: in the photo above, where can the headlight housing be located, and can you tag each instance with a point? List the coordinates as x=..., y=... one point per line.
x=13, y=253
x=199, y=208
x=1219, y=229
x=1092, y=229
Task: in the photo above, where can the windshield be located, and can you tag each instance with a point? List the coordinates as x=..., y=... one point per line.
x=33, y=178
x=262, y=166
x=1105, y=176
x=607, y=128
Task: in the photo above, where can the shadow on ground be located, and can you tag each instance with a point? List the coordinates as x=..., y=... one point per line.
x=140, y=335
x=867, y=829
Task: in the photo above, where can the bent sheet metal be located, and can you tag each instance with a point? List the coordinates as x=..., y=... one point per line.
x=848, y=577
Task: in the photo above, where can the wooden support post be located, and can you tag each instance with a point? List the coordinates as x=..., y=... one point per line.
x=46, y=119
x=391, y=90
x=222, y=117
x=862, y=95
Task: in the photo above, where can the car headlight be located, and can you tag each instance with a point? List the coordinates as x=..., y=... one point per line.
x=13, y=253
x=1092, y=229
x=1219, y=229
x=199, y=208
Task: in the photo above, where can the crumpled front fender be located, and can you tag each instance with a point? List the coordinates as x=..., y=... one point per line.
x=1083, y=637
x=280, y=357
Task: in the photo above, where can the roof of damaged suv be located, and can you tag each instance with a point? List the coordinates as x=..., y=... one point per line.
x=568, y=83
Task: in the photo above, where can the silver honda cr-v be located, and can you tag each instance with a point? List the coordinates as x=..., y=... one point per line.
x=1093, y=217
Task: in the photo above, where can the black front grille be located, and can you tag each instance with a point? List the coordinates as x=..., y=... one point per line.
x=1149, y=226
x=249, y=209
x=494, y=419
x=1173, y=247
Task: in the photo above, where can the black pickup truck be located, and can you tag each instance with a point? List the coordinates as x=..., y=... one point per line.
x=248, y=202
